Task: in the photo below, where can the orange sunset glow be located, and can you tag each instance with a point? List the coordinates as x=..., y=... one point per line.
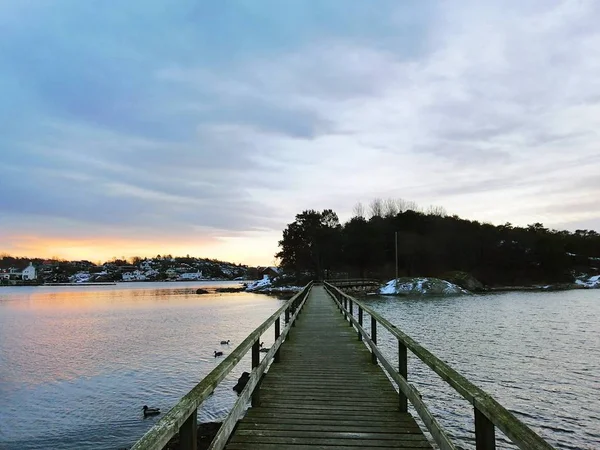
x=253, y=250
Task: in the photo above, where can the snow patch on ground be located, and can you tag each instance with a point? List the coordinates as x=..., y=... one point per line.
x=421, y=286
x=259, y=285
x=266, y=285
x=590, y=283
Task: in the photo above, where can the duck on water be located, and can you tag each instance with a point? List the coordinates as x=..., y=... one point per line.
x=150, y=411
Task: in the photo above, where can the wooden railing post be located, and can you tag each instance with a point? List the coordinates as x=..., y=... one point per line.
x=255, y=363
x=287, y=316
x=485, y=435
x=188, y=433
x=346, y=308
x=277, y=334
x=373, y=338
x=403, y=371
x=360, y=321
x=351, y=312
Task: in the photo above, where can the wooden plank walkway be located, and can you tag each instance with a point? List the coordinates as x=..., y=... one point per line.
x=325, y=393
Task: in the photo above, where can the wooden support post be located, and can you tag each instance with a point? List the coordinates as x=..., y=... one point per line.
x=277, y=334
x=351, y=312
x=373, y=338
x=360, y=321
x=287, y=316
x=188, y=433
x=403, y=371
x=485, y=436
x=255, y=363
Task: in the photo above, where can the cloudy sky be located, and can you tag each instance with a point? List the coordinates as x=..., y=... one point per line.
x=203, y=127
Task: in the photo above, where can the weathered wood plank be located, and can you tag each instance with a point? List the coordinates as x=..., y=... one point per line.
x=357, y=427
x=284, y=414
x=353, y=416
x=365, y=443
x=264, y=446
x=309, y=433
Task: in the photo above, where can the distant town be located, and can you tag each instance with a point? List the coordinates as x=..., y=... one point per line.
x=24, y=271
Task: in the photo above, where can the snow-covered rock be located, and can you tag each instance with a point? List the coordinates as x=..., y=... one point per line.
x=421, y=286
x=591, y=282
x=266, y=285
x=260, y=285
x=80, y=277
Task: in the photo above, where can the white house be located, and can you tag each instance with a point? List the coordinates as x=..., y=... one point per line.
x=136, y=275
x=191, y=276
x=29, y=273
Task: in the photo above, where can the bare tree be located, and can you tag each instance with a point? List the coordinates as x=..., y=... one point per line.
x=376, y=208
x=390, y=208
x=412, y=206
x=359, y=210
x=401, y=205
x=439, y=211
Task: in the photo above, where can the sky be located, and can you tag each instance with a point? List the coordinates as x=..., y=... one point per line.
x=203, y=127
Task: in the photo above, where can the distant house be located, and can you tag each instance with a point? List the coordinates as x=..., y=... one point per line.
x=188, y=276
x=134, y=275
x=48, y=266
x=270, y=272
x=7, y=275
x=146, y=265
x=29, y=273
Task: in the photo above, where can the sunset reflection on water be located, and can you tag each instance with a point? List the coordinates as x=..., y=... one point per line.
x=111, y=349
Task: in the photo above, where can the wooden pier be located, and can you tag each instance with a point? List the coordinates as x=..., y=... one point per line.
x=326, y=392
x=327, y=389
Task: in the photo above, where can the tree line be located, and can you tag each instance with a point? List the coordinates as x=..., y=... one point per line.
x=432, y=243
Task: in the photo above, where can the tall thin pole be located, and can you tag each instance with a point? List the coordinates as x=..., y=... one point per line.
x=396, y=284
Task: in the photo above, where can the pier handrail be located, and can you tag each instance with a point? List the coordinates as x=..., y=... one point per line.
x=182, y=418
x=347, y=280
x=488, y=412
x=354, y=282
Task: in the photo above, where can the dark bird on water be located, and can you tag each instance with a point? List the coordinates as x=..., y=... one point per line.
x=264, y=349
x=241, y=384
x=150, y=411
x=261, y=344
x=218, y=353
x=225, y=342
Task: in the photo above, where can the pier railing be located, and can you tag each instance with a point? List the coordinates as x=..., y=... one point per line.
x=355, y=282
x=488, y=413
x=182, y=418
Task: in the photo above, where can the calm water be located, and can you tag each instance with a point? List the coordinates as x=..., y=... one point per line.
x=538, y=354
x=77, y=364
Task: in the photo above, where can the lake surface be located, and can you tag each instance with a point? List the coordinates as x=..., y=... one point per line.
x=538, y=354
x=78, y=363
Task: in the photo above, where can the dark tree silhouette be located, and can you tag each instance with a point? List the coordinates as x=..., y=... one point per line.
x=433, y=244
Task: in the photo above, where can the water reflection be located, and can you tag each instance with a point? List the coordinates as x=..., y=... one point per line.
x=76, y=365
x=536, y=353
